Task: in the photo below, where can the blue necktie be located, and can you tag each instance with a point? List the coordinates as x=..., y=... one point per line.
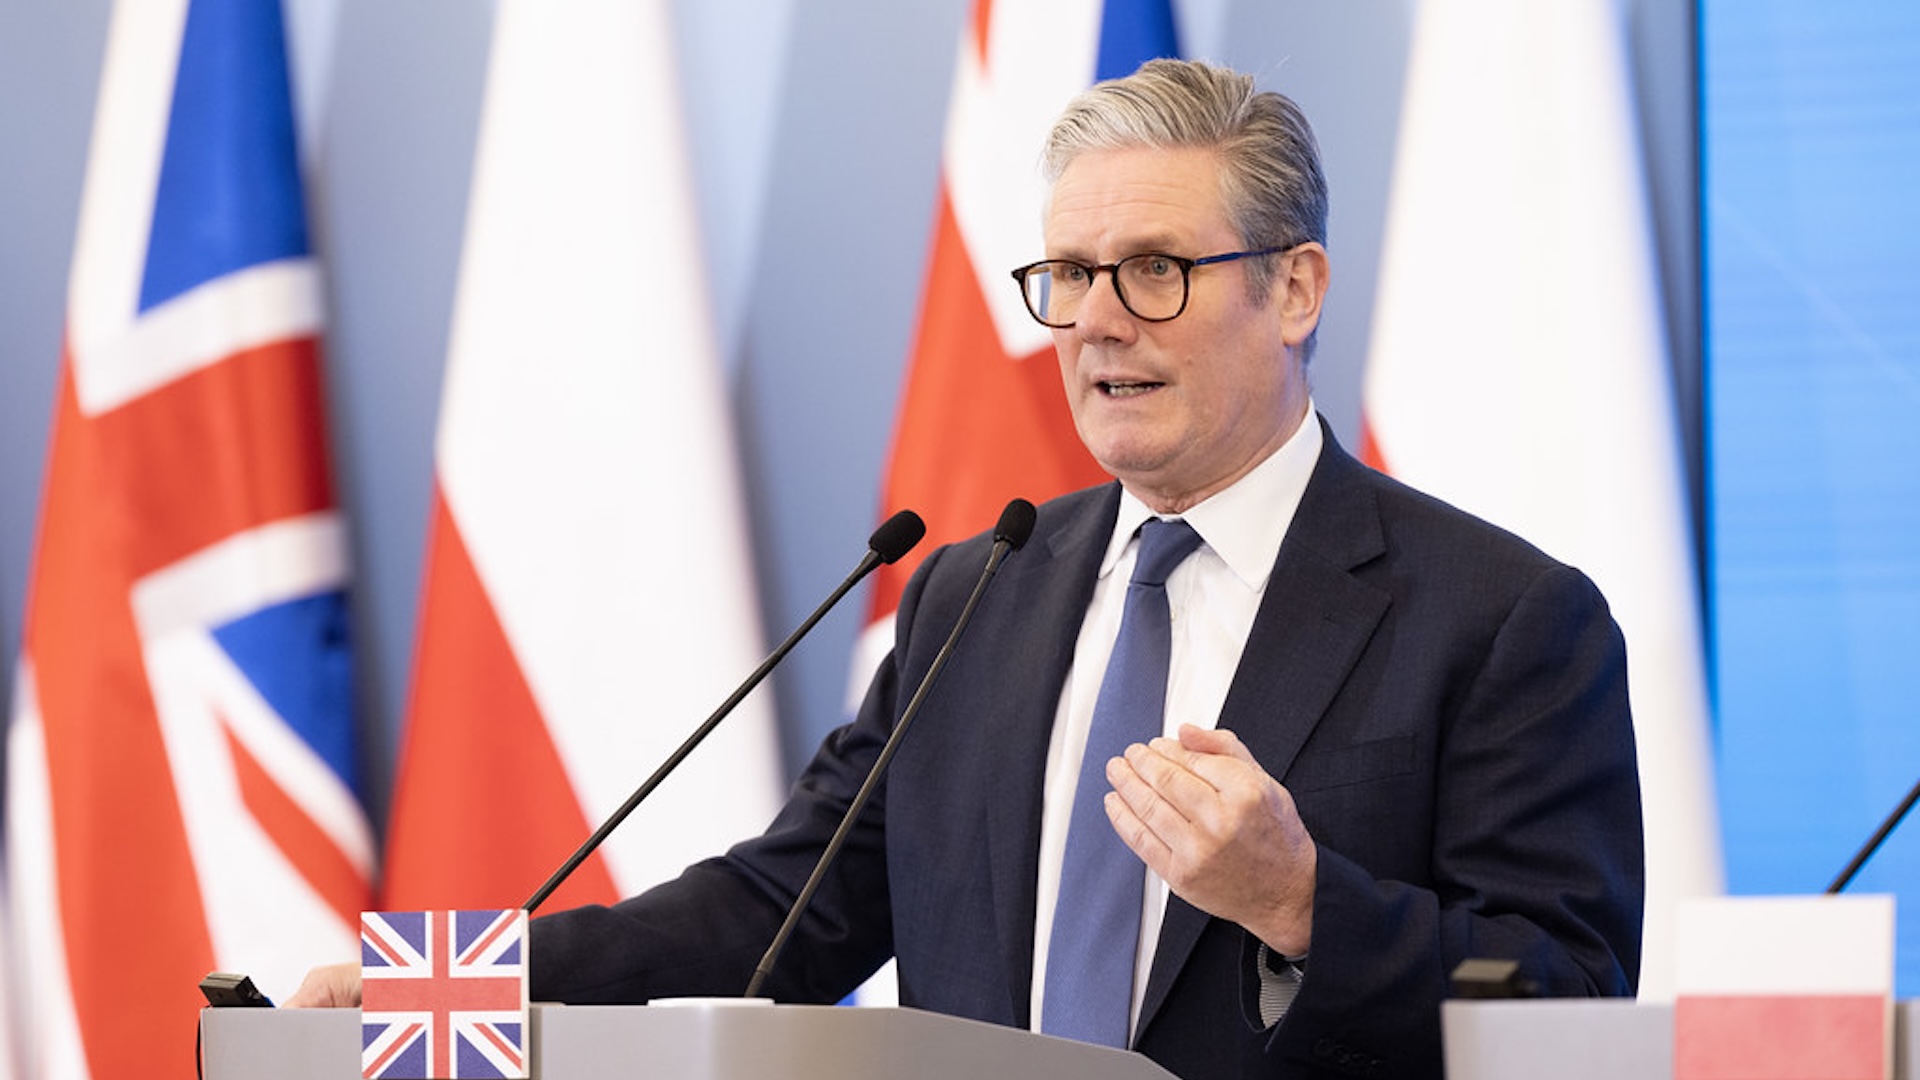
x=1096, y=923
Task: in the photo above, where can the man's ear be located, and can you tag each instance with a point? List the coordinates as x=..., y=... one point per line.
x=1299, y=289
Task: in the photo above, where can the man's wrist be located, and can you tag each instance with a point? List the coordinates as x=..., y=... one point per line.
x=1282, y=964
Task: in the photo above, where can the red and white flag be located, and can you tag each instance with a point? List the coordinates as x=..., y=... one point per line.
x=183, y=793
x=589, y=595
x=1519, y=366
x=983, y=418
x=1740, y=1014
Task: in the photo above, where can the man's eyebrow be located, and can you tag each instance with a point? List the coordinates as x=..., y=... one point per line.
x=1156, y=244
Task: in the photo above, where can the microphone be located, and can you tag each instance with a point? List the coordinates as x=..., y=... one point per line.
x=1009, y=535
x=894, y=538
x=1886, y=828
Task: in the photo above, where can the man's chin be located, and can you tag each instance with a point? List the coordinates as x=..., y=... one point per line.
x=1129, y=463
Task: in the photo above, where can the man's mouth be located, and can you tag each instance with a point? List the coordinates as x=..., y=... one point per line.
x=1127, y=389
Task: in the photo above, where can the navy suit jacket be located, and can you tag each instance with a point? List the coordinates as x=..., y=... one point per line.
x=1447, y=706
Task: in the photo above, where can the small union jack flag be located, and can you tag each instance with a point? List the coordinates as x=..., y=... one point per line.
x=443, y=994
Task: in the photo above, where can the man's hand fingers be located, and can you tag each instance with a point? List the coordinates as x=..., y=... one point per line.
x=1215, y=741
x=336, y=986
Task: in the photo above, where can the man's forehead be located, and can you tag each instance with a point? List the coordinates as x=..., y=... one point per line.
x=1114, y=202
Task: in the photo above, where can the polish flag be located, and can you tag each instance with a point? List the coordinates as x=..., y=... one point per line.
x=983, y=418
x=1741, y=1014
x=183, y=792
x=588, y=594
x=1519, y=366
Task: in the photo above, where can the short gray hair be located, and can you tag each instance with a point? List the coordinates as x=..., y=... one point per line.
x=1270, y=178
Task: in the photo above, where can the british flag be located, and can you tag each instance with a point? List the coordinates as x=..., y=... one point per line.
x=182, y=769
x=443, y=994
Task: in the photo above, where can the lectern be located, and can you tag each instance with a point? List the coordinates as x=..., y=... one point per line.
x=1593, y=1039
x=690, y=1041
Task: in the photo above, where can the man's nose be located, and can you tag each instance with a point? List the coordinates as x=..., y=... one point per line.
x=1102, y=311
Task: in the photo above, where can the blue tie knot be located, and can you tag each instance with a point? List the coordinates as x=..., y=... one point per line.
x=1163, y=545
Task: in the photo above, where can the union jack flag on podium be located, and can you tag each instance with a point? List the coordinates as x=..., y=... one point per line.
x=183, y=781
x=443, y=994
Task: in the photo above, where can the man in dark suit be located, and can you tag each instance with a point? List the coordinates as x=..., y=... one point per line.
x=1393, y=736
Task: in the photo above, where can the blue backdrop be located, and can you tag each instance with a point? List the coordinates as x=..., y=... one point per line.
x=1811, y=166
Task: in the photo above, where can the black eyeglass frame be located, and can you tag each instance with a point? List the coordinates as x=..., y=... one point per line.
x=1113, y=274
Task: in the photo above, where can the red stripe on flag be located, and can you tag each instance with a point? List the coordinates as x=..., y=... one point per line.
x=506, y=1049
x=393, y=1049
x=230, y=447
x=982, y=24
x=443, y=994
x=963, y=391
x=378, y=936
x=305, y=844
x=500, y=926
x=483, y=809
x=1780, y=1037
x=1370, y=451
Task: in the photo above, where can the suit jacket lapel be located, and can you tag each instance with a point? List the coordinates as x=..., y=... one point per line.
x=1312, y=625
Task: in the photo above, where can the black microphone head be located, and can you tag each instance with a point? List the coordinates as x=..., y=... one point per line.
x=1016, y=524
x=896, y=536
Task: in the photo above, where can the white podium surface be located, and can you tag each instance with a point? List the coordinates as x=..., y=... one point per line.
x=724, y=1041
x=1484, y=1040
x=1593, y=1039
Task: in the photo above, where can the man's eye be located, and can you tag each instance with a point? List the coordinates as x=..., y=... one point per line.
x=1157, y=266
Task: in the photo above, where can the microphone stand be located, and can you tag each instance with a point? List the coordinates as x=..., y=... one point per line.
x=1873, y=845
x=1016, y=523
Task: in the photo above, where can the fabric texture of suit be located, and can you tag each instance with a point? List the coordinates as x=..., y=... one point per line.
x=1447, y=706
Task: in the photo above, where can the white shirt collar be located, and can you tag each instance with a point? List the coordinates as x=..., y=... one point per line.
x=1244, y=523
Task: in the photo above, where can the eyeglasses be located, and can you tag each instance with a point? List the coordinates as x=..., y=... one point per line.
x=1153, y=286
